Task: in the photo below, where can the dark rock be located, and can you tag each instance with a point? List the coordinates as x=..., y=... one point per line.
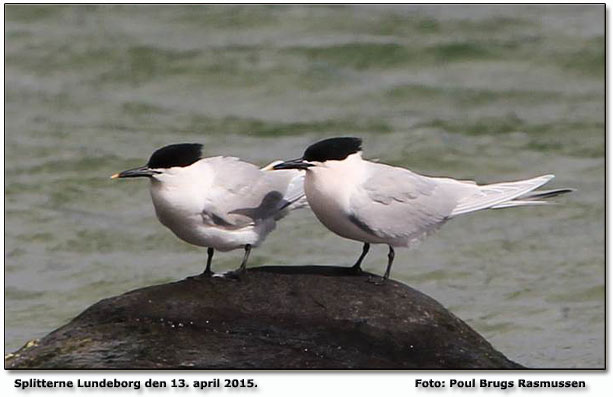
x=275, y=317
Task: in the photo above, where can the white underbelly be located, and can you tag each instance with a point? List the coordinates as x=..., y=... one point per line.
x=179, y=209
x=191, y=229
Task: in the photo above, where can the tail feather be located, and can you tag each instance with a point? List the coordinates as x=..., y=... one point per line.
x=519, y=203
x=294, y=197
x=543, y=194
x=508, y=194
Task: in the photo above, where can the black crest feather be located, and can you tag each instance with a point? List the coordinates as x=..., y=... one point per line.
x=178, y=155
x=333, y=149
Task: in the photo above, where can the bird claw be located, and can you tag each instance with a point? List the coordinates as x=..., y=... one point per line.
x=376, y=280
x=202, y=276
x=355, y=270
x=233, y=275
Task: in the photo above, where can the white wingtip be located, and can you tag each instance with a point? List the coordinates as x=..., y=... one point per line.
x=269, y=166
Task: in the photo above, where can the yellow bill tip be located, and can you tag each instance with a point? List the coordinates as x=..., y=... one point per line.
x=114, y=176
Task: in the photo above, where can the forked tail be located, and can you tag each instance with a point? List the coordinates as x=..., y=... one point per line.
x=508, y=194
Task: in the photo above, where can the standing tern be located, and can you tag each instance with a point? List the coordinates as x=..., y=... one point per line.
x=221, y=203
x=380, y=204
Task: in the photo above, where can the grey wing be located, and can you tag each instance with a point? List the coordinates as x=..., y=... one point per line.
x=243, y=194
x=398, y=205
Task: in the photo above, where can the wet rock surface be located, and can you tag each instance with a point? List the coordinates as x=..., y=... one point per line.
x=273, y=318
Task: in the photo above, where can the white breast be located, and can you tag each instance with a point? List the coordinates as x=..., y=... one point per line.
x=179, y=199
x=178, y=207
x=328, y=189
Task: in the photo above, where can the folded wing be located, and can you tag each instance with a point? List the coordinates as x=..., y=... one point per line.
x=399, y=204
x=243, y=194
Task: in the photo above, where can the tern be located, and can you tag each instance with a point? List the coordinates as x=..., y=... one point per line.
x=376, y=203
x=221, y=203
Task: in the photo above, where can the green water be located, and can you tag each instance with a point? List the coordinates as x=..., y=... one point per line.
x=491, y=93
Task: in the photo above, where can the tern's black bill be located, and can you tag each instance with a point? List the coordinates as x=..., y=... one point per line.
x=135, y=173
x=298, y=164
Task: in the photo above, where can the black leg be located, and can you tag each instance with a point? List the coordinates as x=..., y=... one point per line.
x=356, y=268
x=390, y=260
x=207, y=270
x=243, y=267
x=209, y=259
x=236, y=274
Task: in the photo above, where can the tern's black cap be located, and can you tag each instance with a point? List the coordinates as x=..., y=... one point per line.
x=333, y=149
x=178, y=155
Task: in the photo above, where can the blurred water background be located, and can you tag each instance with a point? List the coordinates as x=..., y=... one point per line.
x=485, y=92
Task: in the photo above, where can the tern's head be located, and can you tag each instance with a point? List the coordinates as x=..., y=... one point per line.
x=166, y=160
x=322, y=152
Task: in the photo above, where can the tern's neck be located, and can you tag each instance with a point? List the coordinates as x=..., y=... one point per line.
x=195, y=176
x=182, y=188
x=329, y=186
x=351, y=165
x=335, y=174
